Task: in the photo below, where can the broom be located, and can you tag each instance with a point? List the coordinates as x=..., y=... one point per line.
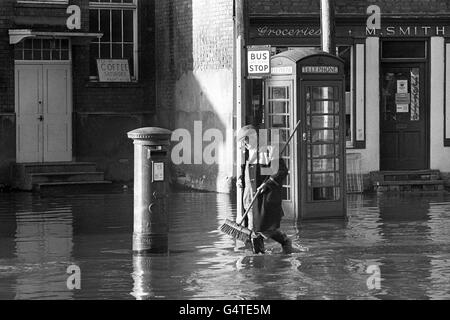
x=237, y=230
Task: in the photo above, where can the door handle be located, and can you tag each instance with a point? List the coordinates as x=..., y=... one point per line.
x=41, y=118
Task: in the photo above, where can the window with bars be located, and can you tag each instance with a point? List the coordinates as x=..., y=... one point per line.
x=42, y=49
x=117, y=20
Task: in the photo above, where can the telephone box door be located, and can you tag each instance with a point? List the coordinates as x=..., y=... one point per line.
x=322, y=150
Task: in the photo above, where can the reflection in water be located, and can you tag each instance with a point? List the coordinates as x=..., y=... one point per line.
x=406, y=236
x=43, y=247
x=148, y=270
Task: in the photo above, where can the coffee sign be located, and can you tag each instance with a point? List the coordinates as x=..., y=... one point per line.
x=113, y=70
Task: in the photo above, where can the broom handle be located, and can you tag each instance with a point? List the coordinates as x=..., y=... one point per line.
x=258, y=191
x=290, y=137
x=250, y=206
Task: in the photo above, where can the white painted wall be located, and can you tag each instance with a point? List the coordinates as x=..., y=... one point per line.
x=370, y=157
x=206, y=96
x=440, y=156
x=360, y=92
x=447, y=90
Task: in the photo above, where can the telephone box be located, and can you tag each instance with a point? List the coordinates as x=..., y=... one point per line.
x=308, y=85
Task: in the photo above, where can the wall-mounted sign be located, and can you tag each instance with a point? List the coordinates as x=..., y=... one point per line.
x=158, y=171
x=320, y=69
x=408, y=31
x=113, y=70
x=258, y=61
x=282, y=70
x=289, y=30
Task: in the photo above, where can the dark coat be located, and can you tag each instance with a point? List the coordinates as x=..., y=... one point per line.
x=267, y=210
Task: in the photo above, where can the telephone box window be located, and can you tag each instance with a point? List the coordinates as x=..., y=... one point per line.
x=279, y=102
x=323, y=135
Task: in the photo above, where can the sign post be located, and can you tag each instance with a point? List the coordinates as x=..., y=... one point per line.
x=258, y=62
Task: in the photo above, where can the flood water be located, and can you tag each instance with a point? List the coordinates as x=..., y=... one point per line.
x=406, y=237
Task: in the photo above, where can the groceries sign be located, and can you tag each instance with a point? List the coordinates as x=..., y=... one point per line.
x=258, y=61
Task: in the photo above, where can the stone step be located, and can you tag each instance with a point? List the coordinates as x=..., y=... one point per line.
x=65, y=186
x=56, y=167
x=65, y=177
x=410, y=175
x=403, y=172
x=409, y=183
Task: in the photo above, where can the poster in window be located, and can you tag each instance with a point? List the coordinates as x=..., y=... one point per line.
x=402, y=86
x=402, y=108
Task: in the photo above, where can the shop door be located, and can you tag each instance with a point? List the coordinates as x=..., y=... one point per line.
x=279, y=115
x=403, y=118
x=322, y=151
x=44, y=112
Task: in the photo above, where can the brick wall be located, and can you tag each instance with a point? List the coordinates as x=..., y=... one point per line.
x=48, y=17
x=195, y=76
x=348, y=6
x=6, y=58
x=7, y=118
x=103, y=113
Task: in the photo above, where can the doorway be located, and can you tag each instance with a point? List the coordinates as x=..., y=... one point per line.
x=404, y=113
x=322, y=159
x=43, y=100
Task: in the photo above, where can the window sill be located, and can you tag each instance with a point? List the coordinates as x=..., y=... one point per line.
x=97, y=84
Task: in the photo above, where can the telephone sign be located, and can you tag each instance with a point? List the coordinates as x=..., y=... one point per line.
x=258, y=61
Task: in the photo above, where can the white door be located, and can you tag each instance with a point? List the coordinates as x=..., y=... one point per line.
x=28, y=84
x=44, y=112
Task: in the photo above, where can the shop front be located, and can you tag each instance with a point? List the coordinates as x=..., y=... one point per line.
x=396, y=95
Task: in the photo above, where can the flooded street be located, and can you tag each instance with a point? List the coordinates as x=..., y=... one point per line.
x=406, y=236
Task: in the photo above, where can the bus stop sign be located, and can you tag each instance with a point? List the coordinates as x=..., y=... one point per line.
x=258, y=61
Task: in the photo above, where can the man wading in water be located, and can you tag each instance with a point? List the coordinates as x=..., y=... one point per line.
x=265, y=217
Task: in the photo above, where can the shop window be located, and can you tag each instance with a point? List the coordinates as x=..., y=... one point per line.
x=117, y=20
x=42, y=49
x=404, y=50
x=345, y=53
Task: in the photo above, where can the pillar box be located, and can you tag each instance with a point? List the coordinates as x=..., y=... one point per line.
x=151, y=162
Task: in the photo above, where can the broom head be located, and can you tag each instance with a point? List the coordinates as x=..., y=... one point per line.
x=236, y=231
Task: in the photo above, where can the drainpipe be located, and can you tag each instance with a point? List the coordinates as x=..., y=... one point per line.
x=240, y=63
x=328, y=26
